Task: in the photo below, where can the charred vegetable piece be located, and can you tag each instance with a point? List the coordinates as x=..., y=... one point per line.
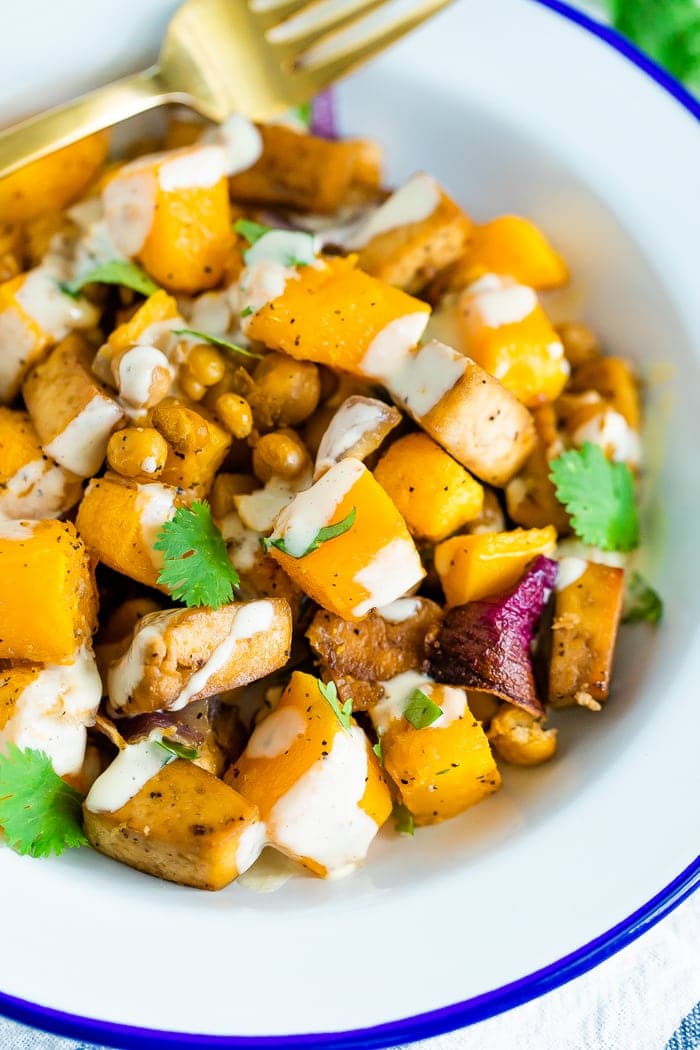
x=485, y=645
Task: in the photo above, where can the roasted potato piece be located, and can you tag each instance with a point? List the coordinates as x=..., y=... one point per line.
x=181, y=655
x=31, y=484
x=520, y=738
x=183, y=825
x=586, y=617
x=47, y=592
x=476, y=567
x=53, y=181
x=356, y=430
x=318, y=787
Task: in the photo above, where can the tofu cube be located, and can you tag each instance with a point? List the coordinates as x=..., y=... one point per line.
x=182, y=655
x=171, y=211
x=119, y=520
x=506, y=331
x=433, y=492
x=440, y=769
x=318, y=786
x=32, y=486
x=488, y=564
x=370, y=564
x=183, y=824
x=73, y=413
x=336, y=315
x=48, y=600
x=587, y=612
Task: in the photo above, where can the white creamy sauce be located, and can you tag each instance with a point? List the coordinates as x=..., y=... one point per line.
x=262, y=282
x=211, y=312
x=129, y=201
x=251, y=619
x=270, y=872
x=451, y=700
x=426, y=376
x=52, y=713
x=136, y=373
x=394, y=569
x=259, y=510
x=16, y=530
x=129, y=772
x=194, y=167
x=94, y=244
x=570, y=570
x=16, y=346
x=250, y=845
x=243, y=543
x=155, y=504
x=320, y=816
x=611, y=431
x=55, y=312
x=415, y=201
x=149, y=465
x=276, y=733
x=148, y=641
x=391, y=347
x=356, y=417
x=400, y=610
x=500, y=300
x=40, y=489
x=81, y=446
x=241, y=142
x=299, y=522
x=574, y=548
x=284, y=247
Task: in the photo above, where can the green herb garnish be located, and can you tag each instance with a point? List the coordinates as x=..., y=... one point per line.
x=196, y=569
x=328, y=532
x=403, y=819
x=178, y=750
x=420, y=710
x=251, y=231
x=216, y=340
x=377, y=748
x=642, y=603
x=118, y=271
x=39, y=813
x=599, y=496
x=329, y=692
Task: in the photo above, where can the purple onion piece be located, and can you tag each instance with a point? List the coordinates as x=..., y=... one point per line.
x=486, y=645
x=188, y=727
x=323, y=116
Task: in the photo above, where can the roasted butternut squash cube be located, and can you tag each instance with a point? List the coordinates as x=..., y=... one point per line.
x=586, y=618
x=179, y=656
x=433, y=492
x=409, y=254
x=171, y=211
x=48, y=601
x=306, y=172
x=336, y=315
x=482, y=566
x=183, y=824
x=49, y=708
x=73, y=413
x=54, y=181
x=614, y=379
x=119, y=520
x=472, y=415
x=34, y=315
x=507, y=332
x=370, y=563
x=509, y=246
x=31, y=484
x=433, y=748
x=318, y=786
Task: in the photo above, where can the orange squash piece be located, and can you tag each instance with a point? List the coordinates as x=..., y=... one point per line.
x=54, y=181
x=512, y=246
x=482, y=566
x=614, y=379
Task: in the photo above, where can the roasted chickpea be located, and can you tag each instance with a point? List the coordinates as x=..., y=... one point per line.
x=579, y=341
x=126, y=616
x=236, y=414
x=182, y=428
x=137, y=452
x=280, y=454
x=206, y=365
x=225, y=487
x=191, y=386
x=286, y=392
x=520, y=738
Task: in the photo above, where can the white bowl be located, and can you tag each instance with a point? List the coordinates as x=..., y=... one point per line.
x=516, y=106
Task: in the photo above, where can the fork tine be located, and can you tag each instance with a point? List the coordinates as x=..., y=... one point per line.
x=269, y=13
x=316, y=20
x=342, y=52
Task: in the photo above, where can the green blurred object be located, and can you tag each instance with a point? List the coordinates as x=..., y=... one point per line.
x=668, y=30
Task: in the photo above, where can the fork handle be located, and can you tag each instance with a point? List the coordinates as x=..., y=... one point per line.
x=35, y=137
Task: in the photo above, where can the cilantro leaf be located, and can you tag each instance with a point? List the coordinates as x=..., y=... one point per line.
x=668, y=30
x=377, y=748
x=118, y=271
x=39, y=813
x=247, y=311
x=328, y=532
x=196, y=568
x=403, y=818
x=178, y=750
x=599, y=496
x=216, y=340
x=642, y=603
x=420, y=710
x=329, y=692
x=251, y=231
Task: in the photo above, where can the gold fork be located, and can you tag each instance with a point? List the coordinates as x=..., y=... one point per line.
x=256, y=57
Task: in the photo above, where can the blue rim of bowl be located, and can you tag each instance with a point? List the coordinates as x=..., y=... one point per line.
x=480, y=1007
